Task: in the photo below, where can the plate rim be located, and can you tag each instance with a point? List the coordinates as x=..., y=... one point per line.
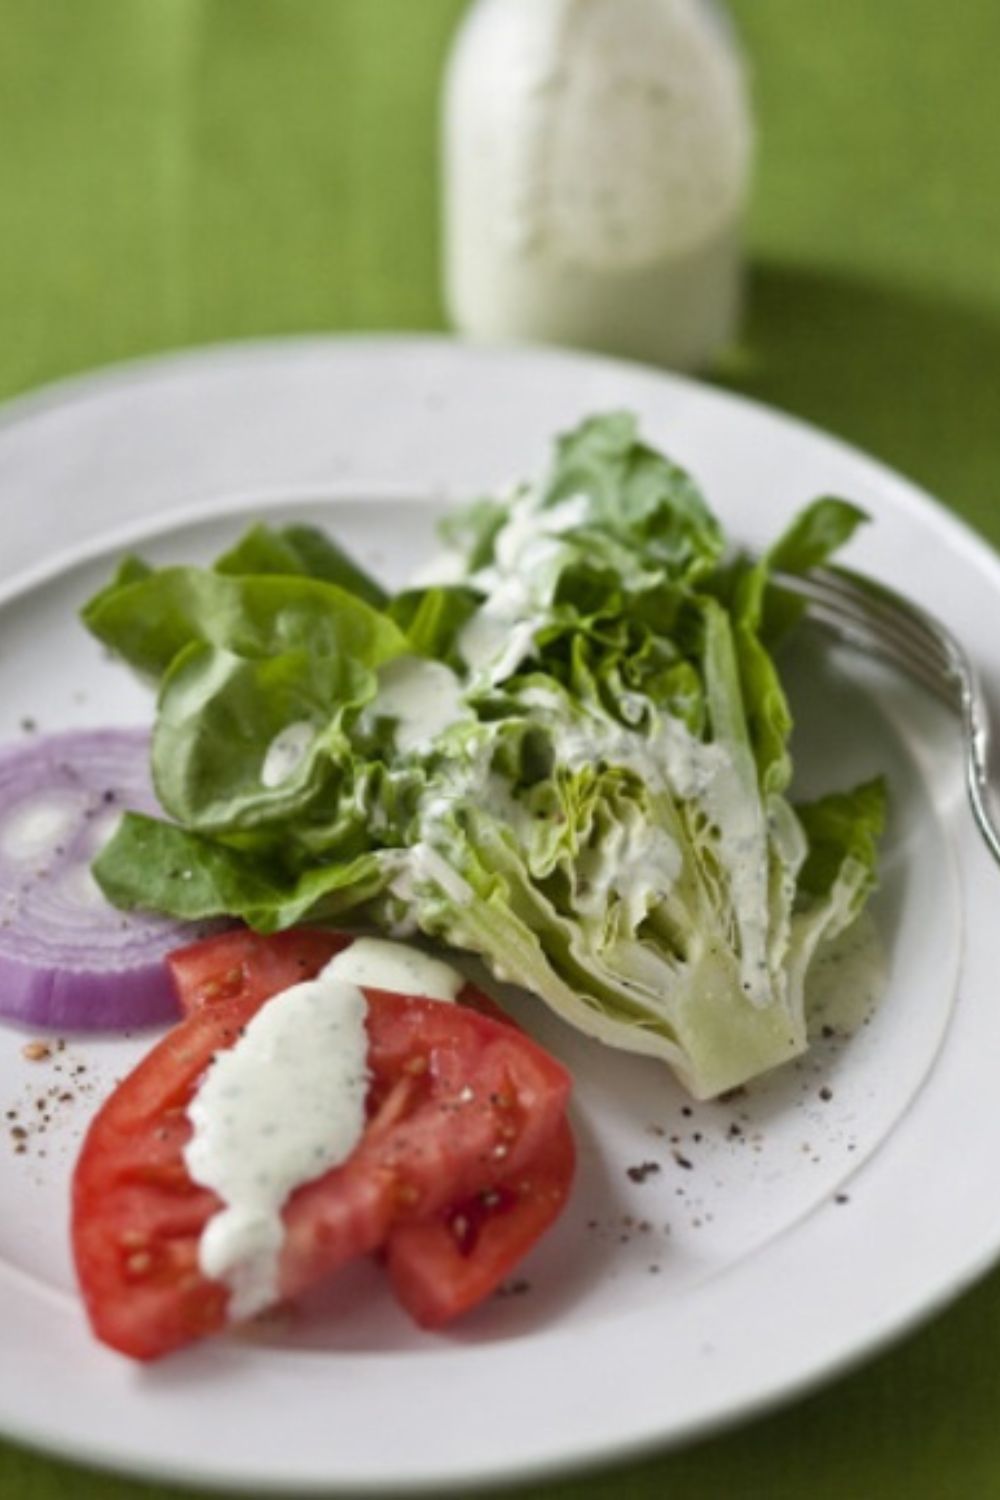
x=108, y=378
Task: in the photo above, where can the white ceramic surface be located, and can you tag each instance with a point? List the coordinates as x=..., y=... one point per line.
x=734, y=1275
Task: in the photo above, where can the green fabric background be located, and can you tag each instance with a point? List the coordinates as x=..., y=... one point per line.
x=179, y=171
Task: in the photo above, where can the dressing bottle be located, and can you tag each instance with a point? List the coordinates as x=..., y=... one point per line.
x=596, y=166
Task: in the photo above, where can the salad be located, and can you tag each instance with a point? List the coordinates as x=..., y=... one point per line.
x=567, y=755
x=563, y=751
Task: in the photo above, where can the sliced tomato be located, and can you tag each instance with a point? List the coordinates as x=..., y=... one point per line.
x=459, y=1103
x=243, y=964
x=443, y=1266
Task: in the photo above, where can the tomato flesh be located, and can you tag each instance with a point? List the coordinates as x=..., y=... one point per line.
x=444, y=1265
x=459, y=1105
x=242, y=964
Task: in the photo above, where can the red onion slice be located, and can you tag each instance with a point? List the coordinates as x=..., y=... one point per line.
x=68, y=958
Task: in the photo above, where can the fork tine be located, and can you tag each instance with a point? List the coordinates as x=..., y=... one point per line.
x=854, y=617
x=870, y=616
x=858, y=632
x=910, y=631
x=892, y=611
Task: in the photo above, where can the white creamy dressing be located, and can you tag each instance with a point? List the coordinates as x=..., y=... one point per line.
x=527, y=555
x=787, y=838
x=383, y=965
x=846, y=978
x=279, y=1108
x=495, y=644
x=286, y=1103
x=633, y=707
x=423, y=698
x=444, y=568
x=286, y=753
x=731, y=802
x=637, y=862
x=597, y=157
x=670, y=757
x=646, y=861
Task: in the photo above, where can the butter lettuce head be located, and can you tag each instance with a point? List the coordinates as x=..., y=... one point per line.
x=570, y=758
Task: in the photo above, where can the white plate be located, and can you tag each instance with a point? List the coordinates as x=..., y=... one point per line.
x=765, y=1281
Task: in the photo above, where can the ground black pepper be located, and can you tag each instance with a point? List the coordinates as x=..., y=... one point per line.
x=642, y=1171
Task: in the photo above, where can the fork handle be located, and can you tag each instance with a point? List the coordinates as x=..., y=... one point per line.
x=977, y=743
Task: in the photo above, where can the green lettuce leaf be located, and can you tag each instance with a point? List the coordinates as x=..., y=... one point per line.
x=148, y=619
x=432, y=618
x=843, y=829
x=196, y=878
x=301, y=551
x=239, y=659
x=637, y=496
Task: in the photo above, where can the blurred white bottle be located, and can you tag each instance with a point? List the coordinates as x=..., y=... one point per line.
x=596, y=165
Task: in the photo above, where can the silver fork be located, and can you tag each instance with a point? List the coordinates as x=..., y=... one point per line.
x=874, y=618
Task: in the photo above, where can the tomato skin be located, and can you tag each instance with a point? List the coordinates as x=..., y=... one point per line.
x=443, y=1266
x=459, y=1102
x=242, y=963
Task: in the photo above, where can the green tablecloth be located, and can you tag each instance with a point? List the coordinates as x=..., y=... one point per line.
x=177, y=171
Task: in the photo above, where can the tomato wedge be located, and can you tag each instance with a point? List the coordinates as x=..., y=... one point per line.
x=442, y=1267
x=459, y=1104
